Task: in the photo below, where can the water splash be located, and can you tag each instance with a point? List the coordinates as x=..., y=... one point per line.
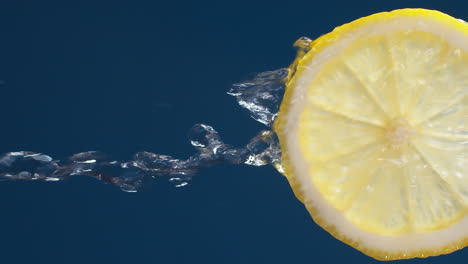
x=261, y=96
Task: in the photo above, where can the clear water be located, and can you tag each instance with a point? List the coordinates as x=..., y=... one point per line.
x=261, y=96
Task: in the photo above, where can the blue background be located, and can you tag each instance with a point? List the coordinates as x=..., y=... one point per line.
x=127, y=76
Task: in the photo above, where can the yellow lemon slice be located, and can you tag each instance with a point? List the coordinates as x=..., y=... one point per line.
x=373, y=130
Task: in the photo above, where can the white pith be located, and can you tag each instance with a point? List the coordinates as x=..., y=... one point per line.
x=395, y=243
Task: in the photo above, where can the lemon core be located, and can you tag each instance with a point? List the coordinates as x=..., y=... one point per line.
x=398, y=133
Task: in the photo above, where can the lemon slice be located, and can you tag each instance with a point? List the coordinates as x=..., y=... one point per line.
x=373, y=130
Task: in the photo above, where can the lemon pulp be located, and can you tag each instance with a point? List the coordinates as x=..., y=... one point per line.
x=374, y=133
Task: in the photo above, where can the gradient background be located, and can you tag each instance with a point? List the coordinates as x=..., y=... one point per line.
x=127, y=76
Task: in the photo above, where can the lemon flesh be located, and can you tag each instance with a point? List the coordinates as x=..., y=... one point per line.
x=374, y=133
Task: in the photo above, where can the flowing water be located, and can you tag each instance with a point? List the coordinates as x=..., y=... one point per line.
x=261, y=96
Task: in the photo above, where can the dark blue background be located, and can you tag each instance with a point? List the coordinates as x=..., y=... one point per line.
x=127, y=76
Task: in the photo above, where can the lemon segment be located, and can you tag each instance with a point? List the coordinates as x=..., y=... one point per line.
x=424, y=63
x=434, y=204
x=381, y=205
x=370, y=61
x=354, y=101
x=343, y=178
x=320, y=143
x=373, y=130
x=448, y=158
x=450, y=122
